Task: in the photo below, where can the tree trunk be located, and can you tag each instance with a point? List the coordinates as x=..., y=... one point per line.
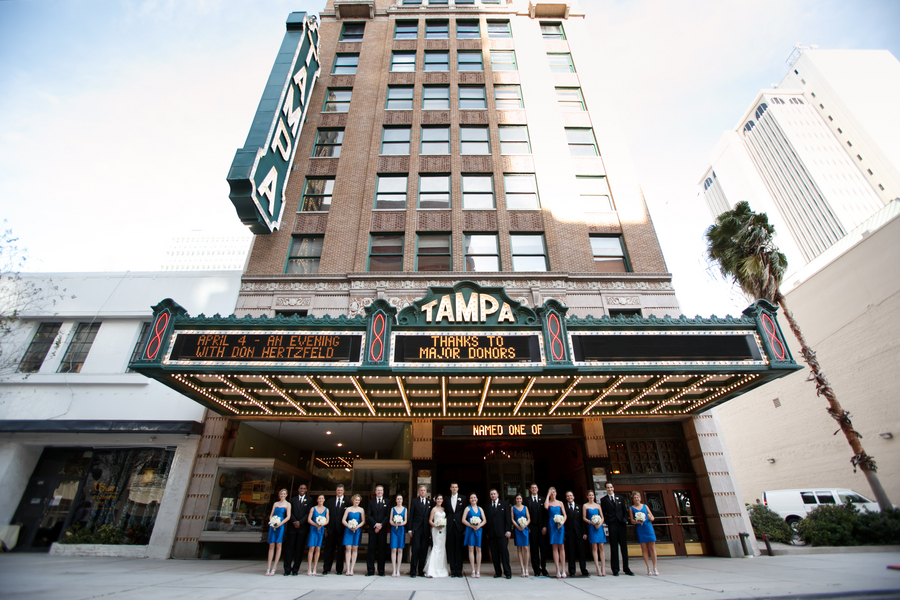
x=823, y=388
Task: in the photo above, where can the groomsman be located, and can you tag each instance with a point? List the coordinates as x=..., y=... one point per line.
x=615, y=513
x=575, y=536
x=537, y=540
x=499, y=529
x=296, y=532
x=334, y=532
x=377, y=515
x=419, y=531
x=455, y=507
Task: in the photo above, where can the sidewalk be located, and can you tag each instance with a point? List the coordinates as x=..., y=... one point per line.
x=38, y=576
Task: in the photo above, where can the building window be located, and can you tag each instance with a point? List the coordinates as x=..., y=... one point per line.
x=552, y=31
x=305, y=254
x=521, y=191
x=434, y=191
x=438, y=60
x=436, y=97
x=839, y=130
x=629, y=313
x=386, y=252
x=849, y=145
x=403, y=62
x=478, y=192
x=869, y=171
x=328, y=143
x=290, y=312
x=390, y=192
x=412, y=2
x=507, y=97
x=880, y=187
x=503, y=60
x=472, y=96
x=464, y=2
x=581, y=141
x=438, y=2
x=399, y=97
x=353, y=32
x=139, y=345
x=473, y=139
x=609, y=255
x=345, y=64
x=406, y=30
x=859, y=157
x=594, y=193
x=78, y=348
x=395, y=140
x=529, y=253
x=337, y=100
x=39, y=347
x=482, y=252
x=514, y=139
x=499, y=29
x=317, y=195
x=437, y=30
x=467, y=30
x=570, y=99
x=433, y=252
x=435, y=140
x=561, y=62
x=469, y=60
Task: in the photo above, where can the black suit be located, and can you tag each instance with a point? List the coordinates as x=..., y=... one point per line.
x=419, y=511
x=575, y=539
x=377, y=513
x=294, y=545
x=539, y=543
x=615, y=513
x=334, y=534
x=455, y=533
x=499, y=523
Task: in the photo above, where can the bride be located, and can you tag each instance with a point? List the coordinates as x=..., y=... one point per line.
x=436, y=565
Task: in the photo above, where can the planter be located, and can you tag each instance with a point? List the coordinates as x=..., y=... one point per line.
x=104, y=550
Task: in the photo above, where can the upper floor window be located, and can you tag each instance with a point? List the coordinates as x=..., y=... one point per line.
x=395, y=140
x=305, y=254
x=482, y=252
x=403, y=62
x=435, y=139
x=345, y=64
x=412, y=2
x=433, y=252
x=438, y=60
x=472, y=96
x=469, y=60
x=39, y=347
x=499, y=29
x=514, y=139
x=570, y=99
x=436, y=97
x=503, y=60
x=529, y=253
x=467, y=30
x=437, y=30
x=521, y=191
x=581, y=141
x=609, y=255
x=386, y=252
x=78, y=348
x=508, y=97
x=761, y=109
x=478, y=192
x=337, y=100
x=594, y=193
x=474, y=139
x=464, y=2
x=139, y=344
x=406, y=30
x=399, y=97
x=434, y=191
x=390, y=192
x=328, y=143
x=353, y=32
x=552, y=31
x=317, y=195
x=561, y=62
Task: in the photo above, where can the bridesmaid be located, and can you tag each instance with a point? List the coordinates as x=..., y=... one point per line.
x=398, y=535
x=595, y=535
x=644, y=529
x=282, y=510
x=473, y=533
x=519, y=512
x=352, y=535
x=557, y=531
x=316, y=533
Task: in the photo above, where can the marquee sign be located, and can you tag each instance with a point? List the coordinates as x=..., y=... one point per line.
x=222, y=348
x=259, y=172
x=507, y=430
x=467, y=349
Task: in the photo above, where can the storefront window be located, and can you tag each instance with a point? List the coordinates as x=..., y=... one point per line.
x=244, y=492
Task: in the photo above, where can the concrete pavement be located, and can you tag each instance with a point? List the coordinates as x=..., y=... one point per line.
x=38, y=576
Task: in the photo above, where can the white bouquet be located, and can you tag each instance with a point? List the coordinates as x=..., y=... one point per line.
x=522, y=522
x=321, y=521
x=559, y=520
x=275, y=521
x=397, y=520
x=640, y=517
x=596, y=520
x=440, y=522
x=353, y=524
x=475, y=521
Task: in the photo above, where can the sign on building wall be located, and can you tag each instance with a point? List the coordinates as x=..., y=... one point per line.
x=259, y=172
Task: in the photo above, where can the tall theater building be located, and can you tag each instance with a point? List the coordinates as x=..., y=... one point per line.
x=454, y=278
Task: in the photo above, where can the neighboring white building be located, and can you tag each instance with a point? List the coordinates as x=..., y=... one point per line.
x=819, y=154
x=82, y=439
x=203, y=251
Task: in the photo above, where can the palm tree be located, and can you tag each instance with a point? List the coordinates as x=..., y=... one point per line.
x=741, y=244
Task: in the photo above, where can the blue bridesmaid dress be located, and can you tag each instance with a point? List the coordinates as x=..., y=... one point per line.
x=521, y=536
x=644, y=532
x=595, y=534
x=557, y=534
x=398, y=532
x=473, y=537
x=352, y=537
x=277, y=535
x=316, y=533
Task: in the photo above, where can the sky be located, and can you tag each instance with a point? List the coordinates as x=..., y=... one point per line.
x=119, y=119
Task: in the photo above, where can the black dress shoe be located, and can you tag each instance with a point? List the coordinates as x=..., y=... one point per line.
x=370, y=574
x=545, y=573
x=585, y=574
x=628, y=573
x=413, y=575
x=294, y=574
x=286, y=574
x=615, y=574
x=381, y=574
x=421, y=573
x=498, y=576
x=508, y=576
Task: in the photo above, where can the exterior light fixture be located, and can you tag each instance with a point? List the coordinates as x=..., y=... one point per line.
x=771, y=461
x=887, y=435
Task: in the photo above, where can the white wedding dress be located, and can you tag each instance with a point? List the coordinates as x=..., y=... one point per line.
x=436, y=564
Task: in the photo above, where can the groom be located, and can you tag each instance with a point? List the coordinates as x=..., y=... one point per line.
x=419, y=532
x=455, y=508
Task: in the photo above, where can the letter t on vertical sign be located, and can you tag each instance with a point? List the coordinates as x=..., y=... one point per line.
x=379, y=321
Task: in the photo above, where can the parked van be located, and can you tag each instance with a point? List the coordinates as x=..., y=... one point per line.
x=794, y=505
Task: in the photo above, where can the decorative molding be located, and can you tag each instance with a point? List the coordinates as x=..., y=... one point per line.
x=623, y=300
x=293, y=301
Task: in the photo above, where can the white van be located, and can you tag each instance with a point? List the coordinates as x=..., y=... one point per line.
x=793, y=505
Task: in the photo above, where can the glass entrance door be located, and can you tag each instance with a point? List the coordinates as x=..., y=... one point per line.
x=44, y=510
x=678, y=519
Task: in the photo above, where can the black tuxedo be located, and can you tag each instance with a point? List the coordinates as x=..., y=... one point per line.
x=455, y=533
x=294, y=544
x=615, y=513
x=334, y=534
x=575, y=539
x=539, y=543
x=377, y=513
x=421, y=532
x=499, y=523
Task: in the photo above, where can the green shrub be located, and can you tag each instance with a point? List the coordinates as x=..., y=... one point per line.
x=878, y=528
x=765, y=521
x=105, y=534
x=830, y=525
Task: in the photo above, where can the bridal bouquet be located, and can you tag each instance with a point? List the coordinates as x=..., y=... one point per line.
x=476, y=521
x=275, y=521
x=353, y=524
x=397, y=520
x=522, y=522
x=596, y=520
x=559, y=520
x=640, y=518
x=321, y=521
x=440, y=522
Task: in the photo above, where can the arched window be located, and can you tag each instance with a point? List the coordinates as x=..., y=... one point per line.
x=760, y=111
x=707, y=183
x=750, y=125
